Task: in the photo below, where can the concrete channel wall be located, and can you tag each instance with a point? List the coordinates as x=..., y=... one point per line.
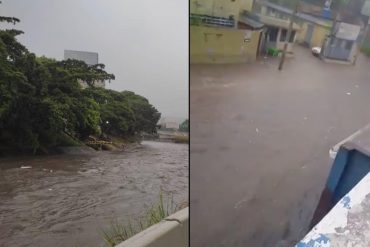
x=172, y=231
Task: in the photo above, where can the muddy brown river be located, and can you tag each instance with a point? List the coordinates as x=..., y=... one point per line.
x=66, y=200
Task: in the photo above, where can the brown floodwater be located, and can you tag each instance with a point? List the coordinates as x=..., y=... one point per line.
x=66, y=200
x=260, y=141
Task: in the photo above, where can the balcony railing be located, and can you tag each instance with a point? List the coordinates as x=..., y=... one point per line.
x=197, y=20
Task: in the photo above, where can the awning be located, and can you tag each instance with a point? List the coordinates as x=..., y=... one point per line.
x=250, y=20
x=276, y=22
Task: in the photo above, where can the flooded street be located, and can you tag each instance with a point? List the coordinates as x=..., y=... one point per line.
x=66, y=200
x=260, y=141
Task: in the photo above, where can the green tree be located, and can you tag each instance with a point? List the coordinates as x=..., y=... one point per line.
x=42, y=101
x=184, y=126
x=124, y=113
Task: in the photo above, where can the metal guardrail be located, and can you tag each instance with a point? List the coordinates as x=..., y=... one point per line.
x=212, y=20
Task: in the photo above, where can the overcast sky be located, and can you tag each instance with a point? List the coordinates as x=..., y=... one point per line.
x=144, y=43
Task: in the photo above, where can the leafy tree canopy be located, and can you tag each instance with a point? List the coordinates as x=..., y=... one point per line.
x=184, y=126
x=42, y=102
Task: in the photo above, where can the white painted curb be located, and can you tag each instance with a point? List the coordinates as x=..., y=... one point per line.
x=170, y=232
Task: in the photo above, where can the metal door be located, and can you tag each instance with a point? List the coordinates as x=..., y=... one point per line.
x=308, y=36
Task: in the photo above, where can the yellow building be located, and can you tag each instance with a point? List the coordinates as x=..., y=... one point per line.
x=221, y=32
x=311, y=30
x=314, y=30
x=222, y=45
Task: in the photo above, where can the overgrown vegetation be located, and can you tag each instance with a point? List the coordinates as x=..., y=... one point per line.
x=119, y=232
x=184, y=126
x=366, y=48
x=181, y=139
x=195, y=20
x=43, y=105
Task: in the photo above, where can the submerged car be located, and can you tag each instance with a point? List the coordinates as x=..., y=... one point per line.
x=316, y=51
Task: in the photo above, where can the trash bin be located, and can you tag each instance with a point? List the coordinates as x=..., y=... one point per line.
x=274, y=52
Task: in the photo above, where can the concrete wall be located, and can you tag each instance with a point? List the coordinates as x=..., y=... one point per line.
x=280, y=46
x=222, y=45
x=347, y=224
x=246, y=5
x=318, y=35
x=171, y=232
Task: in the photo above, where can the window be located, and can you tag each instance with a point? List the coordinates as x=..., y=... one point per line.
x=283, y=35
x=348, y=45
x=271, y=12
x=332, y=41
x=272, y=33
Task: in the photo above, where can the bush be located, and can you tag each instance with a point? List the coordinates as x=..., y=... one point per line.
x=366, y=48
x=119, y=232
x=181, y=139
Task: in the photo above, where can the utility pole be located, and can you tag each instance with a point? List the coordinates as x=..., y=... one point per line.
x=362, y=42
x=290, y=27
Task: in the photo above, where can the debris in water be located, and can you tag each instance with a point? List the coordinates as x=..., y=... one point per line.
x=348, y=93
x=26, y=167
x=239, y=203
x=50, y=189
x=305, y=118
x=332, y=153
x=257, y=130
x=51, y=170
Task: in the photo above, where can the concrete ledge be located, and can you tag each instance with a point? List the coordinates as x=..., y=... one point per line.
x=172, y=231
x=347, y=224
x=355, y=138
x=328, y=60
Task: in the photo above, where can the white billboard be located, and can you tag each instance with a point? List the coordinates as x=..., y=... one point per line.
x=90, y=58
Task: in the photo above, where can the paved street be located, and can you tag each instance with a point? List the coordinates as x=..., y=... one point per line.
x=260, y=142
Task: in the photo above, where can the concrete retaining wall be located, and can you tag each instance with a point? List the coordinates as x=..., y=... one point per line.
x=173, y=231
x=222, y=45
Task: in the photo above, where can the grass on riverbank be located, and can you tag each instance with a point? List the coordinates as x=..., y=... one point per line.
x=366, y=48
x=119, y=232
x=181, y=139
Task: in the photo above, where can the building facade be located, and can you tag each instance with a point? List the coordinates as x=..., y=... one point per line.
x=313, y=33
x=276, y=19
x=221, y=33
x=342, y=45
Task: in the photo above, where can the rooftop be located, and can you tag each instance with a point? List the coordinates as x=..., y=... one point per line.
x=251, y=20
x=310, y=18
x=276, y=22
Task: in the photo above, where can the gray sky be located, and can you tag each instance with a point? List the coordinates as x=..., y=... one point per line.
x=144, y=43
